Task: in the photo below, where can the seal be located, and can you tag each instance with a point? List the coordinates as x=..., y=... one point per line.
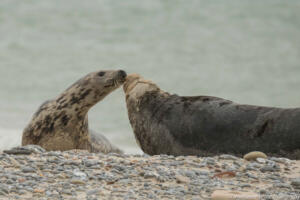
x=166, y=123
x=62, y=123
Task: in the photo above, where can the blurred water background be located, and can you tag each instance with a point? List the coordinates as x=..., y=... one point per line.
x=246, y=51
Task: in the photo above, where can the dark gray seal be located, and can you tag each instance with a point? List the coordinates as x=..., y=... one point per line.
x=205, y=125
x=62, y=123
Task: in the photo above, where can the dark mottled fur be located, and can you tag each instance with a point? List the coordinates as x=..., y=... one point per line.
x=203, y=125
x=62, y=123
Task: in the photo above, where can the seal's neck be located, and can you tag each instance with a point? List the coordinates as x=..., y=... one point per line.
x=78, y=98
x=139, y=91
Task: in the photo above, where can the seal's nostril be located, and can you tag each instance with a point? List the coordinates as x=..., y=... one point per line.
x=122, y=73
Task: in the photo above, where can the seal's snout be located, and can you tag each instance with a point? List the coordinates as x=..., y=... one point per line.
x=122, y=74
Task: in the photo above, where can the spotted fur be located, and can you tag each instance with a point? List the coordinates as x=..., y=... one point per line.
x=62, y=123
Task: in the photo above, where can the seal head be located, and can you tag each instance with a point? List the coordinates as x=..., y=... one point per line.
x=62, y=123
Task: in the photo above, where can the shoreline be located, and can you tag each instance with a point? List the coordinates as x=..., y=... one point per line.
x=78, y=174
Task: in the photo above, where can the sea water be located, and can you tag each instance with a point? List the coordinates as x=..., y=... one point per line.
x=246, y=51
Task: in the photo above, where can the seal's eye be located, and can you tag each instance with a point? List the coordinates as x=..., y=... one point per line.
x=101, y=73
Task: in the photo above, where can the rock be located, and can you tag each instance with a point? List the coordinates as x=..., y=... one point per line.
x=182, y=179
x=53, y=153
x=4, y=189
x=79, y=174
x=66, y=191
x=281, y=160
x=38, y=190
x=253, y=166
x=254, y=155
x=295, y=182
x=262, y=191
x=228, y=157
x=77, y=182
x=162, y=179
x=93, y=192
x=282, y=185
x=261, y=160
x=25, y=150
x=20, y=192
x=251, y=175
x=270, y=168
x=150, y=175
x=28, y=170
x=210, y=161
x=48, y=193
x=233, y=195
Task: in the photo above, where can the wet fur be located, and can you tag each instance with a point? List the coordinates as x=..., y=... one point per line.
x=204, y=125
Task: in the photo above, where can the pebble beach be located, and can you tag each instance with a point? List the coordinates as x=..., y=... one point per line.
x=30, y=172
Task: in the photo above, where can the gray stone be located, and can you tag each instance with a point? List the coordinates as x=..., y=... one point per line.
x=150, y=175
x=4, y=189
x=79, y=174
x=282, y=185
x=48, y=193
x=210, y=161
x=295, y=182
x=93, y=192
x=251, y=175
x=262, y=191
x=28, y=170
x=53, y=153
x=25, y=150
x=162, y=178
x=228, y=157
x=281, y=160
x=66, y=191
x=20, y=192
x=78, y=182
x=71, y=162
x=253, y=166
x=245, y=185
x=9, y=182
x=269, y=168
x=90, y=163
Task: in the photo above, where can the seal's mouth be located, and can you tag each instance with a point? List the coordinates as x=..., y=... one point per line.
x=114, y=83
x=118, y=81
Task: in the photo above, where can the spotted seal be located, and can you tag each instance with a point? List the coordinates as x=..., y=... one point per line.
x=166, y=123
x=62, y=123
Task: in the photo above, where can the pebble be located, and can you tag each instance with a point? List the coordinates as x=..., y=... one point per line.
x=150, y=175
x=254, y=155
x=93, y=192
x=281, y=185
x=228, y=157
x=261, y=160
x=28, y=170
x=281, y=160
x=182, y=179
x=25, y=150
x=229, y=195
x=270, y=168
x=79, y=174
x=82, y=175
x=77, y=182
x=295, y=182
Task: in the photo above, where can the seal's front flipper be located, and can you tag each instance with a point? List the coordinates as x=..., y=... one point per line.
x=99, y=143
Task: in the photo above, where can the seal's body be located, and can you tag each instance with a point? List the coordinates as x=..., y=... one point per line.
x=204, y=125
x=62, y=123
